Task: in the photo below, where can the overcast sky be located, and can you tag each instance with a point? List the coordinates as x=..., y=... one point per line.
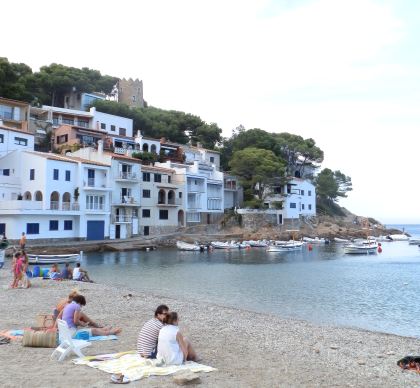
x=346, y=73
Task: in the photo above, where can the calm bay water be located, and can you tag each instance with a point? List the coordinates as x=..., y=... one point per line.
x=376, y=292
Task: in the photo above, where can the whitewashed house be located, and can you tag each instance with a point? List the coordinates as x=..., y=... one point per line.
x=202, y=188
x=12, y=139
x=50, y=196
x=125, y=177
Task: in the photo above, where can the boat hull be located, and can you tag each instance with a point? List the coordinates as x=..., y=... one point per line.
x=53, y=259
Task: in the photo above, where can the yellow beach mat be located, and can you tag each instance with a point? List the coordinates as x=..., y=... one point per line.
x=134, y=367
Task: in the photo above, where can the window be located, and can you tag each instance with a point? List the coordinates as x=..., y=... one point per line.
x=303, y=206
x=146, y=193
x=122, y=131
x=1, y=138
x=169, y=179
x=309, y=193
x=134, y=99
x=113, y=128
x=163, y=214
x=95, y=202
x=135, y=213
x=158, y=178
x=21, y=141
x=68, y=225
x=302, y=192
x=32, y=174
x=103, y=126
x=32, y=228
x=145, y=213
x=292, y=205
x=62, y=139
x=310, y=207
x=53, y=225
x=67, y=121
x=180, y=194
x=211, y=159
x=55, y=174
x=68, y=175
x=6, y=172
x=146, y=177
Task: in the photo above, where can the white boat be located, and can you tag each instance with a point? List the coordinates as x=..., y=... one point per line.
x=341, y=240
x=224, y=245
x=183, y=246
x=384, y=239
x=285, y=247
x=363, y=247
x=315, y=240
x=398, y=237
x=257, y=244
x=414, y=241
x=55, y=259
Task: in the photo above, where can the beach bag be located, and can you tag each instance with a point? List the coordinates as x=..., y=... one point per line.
x=40, y=339
x=37, y=271
x=45, y=321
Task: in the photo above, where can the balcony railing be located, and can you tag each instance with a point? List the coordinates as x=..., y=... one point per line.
x=127, y=175
x=173, y=202
x=127, y=199
x=91, y=182
x=117, y=219
x=70, y=206
x=6, y=115
x=54, y=205
x=196, y=188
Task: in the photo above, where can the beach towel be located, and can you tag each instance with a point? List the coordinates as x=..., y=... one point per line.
x=134, y=367
x=103, y=337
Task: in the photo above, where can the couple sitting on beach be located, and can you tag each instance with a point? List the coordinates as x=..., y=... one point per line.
x=69, y=310
x=160, y=338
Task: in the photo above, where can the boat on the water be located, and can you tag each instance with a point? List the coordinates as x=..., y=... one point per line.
x=285, y=247
x=341, y=240
x=315, y=240
x=364, y=247
x=398, y=237
x=224, y=245
x=55, y=259
x=183, y=246
x=257, y=244
x=414, y=241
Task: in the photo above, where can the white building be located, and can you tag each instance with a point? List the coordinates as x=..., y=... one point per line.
x=12, y=139
x=114, y=125
x=297, y=198
x=202, y=188
x=51, y=196
x=125, y=176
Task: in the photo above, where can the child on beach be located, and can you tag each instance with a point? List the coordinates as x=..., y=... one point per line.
x=17, y=269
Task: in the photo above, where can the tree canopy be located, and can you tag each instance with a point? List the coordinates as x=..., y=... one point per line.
x=256, y=169
x=331, y=185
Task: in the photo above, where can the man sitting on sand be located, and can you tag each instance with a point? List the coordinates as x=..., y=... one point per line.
x=67, y=272
x=149, y=334
x=80, y=274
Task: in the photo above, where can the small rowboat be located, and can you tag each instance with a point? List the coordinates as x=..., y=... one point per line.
x=183, y=246
x=55, y=259
x=286, y=247
x=361, y=248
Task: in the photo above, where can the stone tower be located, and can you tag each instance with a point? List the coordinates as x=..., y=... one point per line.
x=131, y=92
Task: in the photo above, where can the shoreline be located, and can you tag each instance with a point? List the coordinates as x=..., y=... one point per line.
x=249, y=349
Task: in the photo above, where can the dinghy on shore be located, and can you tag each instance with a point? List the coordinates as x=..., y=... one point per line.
x=55, y=259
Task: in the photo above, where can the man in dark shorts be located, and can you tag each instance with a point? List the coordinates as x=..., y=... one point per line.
x=148, y=336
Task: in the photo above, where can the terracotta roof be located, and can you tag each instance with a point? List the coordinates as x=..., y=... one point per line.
x=123, y=157
x=16, y=130
x=16, y=102
x=155, y=168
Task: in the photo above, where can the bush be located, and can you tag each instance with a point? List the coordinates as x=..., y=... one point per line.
x=254, y=203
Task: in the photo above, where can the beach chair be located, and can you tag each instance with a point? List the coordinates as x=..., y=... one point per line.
x=67, y=345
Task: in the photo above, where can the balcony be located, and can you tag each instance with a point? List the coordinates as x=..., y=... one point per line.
x=171, y=202
x=54, y=205
x=95, y=206
x=193, y=206
x=127, y=200
x=67, y=206
x=196, y=189
x=95, y=184
x=20, y=205
x=127, y=176
x=122, y=219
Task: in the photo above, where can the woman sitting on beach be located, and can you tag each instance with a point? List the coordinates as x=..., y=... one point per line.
x=173, y=348
x=58, y=311
x=73, y=316
x=55, y=272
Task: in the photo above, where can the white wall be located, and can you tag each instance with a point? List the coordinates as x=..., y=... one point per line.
x=8, y=141
x=305, y=203
x=108, y=120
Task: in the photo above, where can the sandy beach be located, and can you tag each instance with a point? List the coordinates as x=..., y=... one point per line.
x=248, y=349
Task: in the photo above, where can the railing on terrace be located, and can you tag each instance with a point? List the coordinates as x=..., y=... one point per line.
x=91, y=182
x=120, y=218
x=127, y=175
x=54, y=205
x=70, y=206
x=127, y=199
x=95, y=206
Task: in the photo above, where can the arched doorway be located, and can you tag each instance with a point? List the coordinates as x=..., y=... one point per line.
x=181, y=218
x=27, y=196
x=146, y=147
x=66, y=201
x=54, y=200
x=171, y=197
x=161, y=196
x=153, y=148
x=38, y=196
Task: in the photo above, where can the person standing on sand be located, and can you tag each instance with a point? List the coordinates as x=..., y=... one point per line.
x=148, y=337
x=22, y=241
x=17, y=268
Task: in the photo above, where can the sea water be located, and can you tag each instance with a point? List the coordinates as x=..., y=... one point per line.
x=325, y=286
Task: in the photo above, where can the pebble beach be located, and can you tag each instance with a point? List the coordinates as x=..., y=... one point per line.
x=248, y=349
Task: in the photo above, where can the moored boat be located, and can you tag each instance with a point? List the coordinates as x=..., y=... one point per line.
x=414, y=241
x=341, y=240
x=398, y=237
x=55, y=259
x=364, y=247
x=224, y=245
x=285, y=247
x=183, y=246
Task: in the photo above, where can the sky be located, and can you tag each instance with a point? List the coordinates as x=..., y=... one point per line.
x=345, y=73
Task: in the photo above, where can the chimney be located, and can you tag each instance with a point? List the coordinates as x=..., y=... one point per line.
x=100, y=147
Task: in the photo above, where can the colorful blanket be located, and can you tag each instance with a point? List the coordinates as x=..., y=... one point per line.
x=134, y=367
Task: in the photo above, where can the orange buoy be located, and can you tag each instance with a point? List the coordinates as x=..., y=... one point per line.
x=309, y=247
x=379, y=249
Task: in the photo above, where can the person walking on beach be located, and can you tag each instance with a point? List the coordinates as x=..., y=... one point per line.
x=17, y=269
x=173, y=347
x=22, y=241
x=148, y=337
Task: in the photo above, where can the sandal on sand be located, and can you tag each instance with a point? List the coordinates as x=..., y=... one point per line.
x=119, y=379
